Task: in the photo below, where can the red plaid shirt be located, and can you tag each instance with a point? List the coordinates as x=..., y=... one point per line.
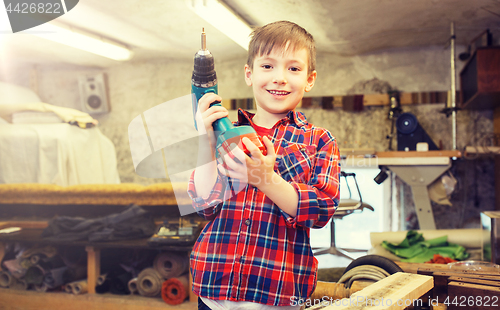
x=253, y=251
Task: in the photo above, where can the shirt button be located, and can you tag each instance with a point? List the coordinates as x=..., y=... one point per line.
x=247, y=222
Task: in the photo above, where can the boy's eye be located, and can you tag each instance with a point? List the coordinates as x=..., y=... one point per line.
x=294, y=69
x=266, y=66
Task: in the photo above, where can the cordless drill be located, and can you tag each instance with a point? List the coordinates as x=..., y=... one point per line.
x=204, y=80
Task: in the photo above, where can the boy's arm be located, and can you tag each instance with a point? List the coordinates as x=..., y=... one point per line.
x=309, y=205
x=205, y=186
x=319, y=198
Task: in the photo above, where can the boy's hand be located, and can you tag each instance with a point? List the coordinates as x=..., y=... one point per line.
x=206, y=115
x=257, y=170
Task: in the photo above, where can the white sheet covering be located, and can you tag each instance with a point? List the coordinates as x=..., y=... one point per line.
x=59, y=154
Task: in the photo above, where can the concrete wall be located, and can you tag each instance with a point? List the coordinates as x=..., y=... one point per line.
x=137, y=87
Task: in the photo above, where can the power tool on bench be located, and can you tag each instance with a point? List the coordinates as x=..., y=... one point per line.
x=204, y=80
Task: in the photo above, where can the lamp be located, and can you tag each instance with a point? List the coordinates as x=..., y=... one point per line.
x=224, y=19
x=85, y=41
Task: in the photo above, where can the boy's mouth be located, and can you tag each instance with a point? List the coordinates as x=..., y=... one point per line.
x=278, y=92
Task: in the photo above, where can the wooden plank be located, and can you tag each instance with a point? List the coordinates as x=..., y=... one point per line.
x=31, y=300
x=25, y=224
x=192, y=296
x=398, y=291
x=440, y=153
x=414, y=267
x=376, y=99
x=472, y=296
x=93, y=267
x=474, y=280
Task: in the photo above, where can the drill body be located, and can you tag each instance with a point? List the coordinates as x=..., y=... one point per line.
x=203, y=81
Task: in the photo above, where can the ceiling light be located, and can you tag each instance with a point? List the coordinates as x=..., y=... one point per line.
x=85, y=41
x=224, y=19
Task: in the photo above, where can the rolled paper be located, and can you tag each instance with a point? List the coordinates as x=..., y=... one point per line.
x=80, y=287
x=54, y=277
x=6, y=279
x=15, y=268
x=41, y=287
x=171, y=265
x=132, y=286
x=149, y=282
x=34, y=259
x=101, y=279
x=68, y=288
x=34, y=275
x=20, y=284
x=175, y=290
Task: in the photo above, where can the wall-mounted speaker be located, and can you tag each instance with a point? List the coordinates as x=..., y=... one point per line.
x=93, y=94
x=410, y=133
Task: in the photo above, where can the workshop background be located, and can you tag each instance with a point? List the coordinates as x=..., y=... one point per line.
x=363, y=47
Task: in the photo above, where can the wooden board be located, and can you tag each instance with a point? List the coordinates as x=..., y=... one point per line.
x=30, y=300
x=472, y=296
x=397, y=291
x=25, y=224
x=441, y=153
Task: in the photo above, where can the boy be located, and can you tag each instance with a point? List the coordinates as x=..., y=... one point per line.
x=255, y=251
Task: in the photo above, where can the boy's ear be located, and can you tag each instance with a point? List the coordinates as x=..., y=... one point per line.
x=310, y=81
x=248, y=75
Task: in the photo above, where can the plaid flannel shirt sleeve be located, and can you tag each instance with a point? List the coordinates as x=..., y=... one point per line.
x=207, y=207
x=319, y=198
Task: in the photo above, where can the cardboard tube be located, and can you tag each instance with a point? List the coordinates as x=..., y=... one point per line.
x=101, y=279
x=149, y=283
x=68, y=288
x=6, y=279
x=20, y=284
x=132, y=286
x=171, y=265
x=80, y=287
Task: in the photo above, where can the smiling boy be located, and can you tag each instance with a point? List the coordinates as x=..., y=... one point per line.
x=255, y=251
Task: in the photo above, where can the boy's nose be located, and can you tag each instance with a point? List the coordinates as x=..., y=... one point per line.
x=280, y=80
x=279, y=77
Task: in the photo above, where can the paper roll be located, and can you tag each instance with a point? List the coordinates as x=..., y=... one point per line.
x=55, y=277
x=35, y=275
x=41, y=287
x=68, y=288
x=80, y=287
x=171, y=265
x=149, y=282
x=175, y=290
x=101, y=279
x=6, y=279
x=20, y=284
x=132, y=286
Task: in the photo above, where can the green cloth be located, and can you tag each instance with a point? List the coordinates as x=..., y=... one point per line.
x=415, y=249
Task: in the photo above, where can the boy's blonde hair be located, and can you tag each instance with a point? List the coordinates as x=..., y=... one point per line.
x=284, y=35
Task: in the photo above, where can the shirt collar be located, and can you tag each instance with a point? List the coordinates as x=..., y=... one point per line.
x=245, y=118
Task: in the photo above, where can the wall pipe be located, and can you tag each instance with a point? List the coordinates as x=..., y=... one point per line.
x=453, y=94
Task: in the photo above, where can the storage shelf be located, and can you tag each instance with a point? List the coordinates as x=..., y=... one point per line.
x=11, y=299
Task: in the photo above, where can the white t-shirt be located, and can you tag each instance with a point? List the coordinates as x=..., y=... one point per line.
x=243, y=305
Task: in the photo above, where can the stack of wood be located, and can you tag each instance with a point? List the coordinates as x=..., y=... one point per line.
x=461, y=288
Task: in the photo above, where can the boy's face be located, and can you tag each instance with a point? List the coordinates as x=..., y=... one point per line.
x=279, y=80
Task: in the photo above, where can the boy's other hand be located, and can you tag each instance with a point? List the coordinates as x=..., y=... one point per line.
x=256, y=170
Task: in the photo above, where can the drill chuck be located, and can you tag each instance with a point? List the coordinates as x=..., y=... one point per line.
x=204, y=75
x=204, y=69
x=204, y=80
